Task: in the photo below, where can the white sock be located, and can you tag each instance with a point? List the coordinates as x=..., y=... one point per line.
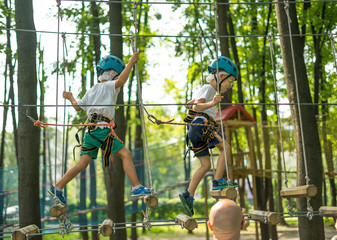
x=58, y=189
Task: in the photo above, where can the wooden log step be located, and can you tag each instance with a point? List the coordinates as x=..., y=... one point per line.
x=106, y=228
x=265, y=216
x=151, y=201
x=58, y=210
x=327, y=210
x=224, y=193
x=187, y=222
x=300, y=191
x=21, y=233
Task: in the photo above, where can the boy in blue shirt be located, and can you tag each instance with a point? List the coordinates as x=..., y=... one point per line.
x=204, y=138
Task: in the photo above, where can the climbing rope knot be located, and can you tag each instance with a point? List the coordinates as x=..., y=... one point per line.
x=38, y=123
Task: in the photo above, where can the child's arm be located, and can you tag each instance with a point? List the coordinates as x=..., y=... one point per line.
x=201, y=105
x=70, y=97
x=190, y=103
x=121, y=80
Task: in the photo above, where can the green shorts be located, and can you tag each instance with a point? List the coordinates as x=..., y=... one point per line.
x=100, y=134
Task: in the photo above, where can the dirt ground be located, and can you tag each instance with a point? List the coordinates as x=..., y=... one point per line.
x=284, y=232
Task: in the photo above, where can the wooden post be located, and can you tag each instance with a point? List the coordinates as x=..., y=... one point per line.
x=269, y=217
x=21, y=233
x=58, y=210
x=300, y=191
x=106, y=228
x=224, y=193
x=254, y=166
x=186, y=221
x=151, y=201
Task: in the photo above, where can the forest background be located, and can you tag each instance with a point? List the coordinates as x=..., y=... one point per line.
x=175, y=39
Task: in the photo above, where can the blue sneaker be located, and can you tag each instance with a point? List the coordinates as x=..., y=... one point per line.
x=222, y=183
x=187, y=202
x=59, y=194
x=140, y=191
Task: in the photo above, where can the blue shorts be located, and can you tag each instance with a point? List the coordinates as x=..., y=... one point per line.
x=195, y=134
x=100, y=134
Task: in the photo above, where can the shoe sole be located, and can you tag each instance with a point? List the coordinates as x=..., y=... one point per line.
x=53, y=195
x=223, y=187
x=141, y=195
x=183, y=201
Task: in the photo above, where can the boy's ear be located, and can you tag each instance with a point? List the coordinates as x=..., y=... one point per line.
x=209, y=225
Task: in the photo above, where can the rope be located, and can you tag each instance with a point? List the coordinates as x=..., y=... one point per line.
x=201, y=61
x=286, y=7
x=307, y=179
x=64, y=109
x=218, y=84
x=289, y=205
x=164, y=36
x=141, y=112
x=57, y=85
x=170, y=104
x=202, y=3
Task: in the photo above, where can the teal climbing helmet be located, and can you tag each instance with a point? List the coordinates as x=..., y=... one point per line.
x=225, y=64
x=110, y=62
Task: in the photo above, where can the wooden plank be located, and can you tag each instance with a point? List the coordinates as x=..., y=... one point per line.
x=271, y=217
x=106, y=228
x=186, y=221
x=327, y=210
x=224, y=193
x=58, y=210
x=300, y=191
x=151, y=201
x=20, y=234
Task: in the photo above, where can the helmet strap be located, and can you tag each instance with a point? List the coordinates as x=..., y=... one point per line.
x=216, y=79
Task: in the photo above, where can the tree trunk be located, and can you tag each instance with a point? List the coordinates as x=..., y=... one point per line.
x=114, y=174
x=29, y=135
x=313, y=229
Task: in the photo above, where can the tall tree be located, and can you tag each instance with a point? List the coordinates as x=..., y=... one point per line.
x=29, y=135
x=313, y=229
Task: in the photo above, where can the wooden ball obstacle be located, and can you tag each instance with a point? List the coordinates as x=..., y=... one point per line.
x=328, y=210
x=186, y=222
x=58, y=210
x=299, y=191
x=151, y=201
x=106, y=228
x=272, y=218
x=229, y=193
x=21, y=233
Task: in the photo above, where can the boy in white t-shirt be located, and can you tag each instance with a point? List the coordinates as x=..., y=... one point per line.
x=204, y=138
x=99, y=103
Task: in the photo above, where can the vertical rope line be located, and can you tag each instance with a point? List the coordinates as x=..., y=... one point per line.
x=57, y=81
x=141, y=107
x=277, y=108
x=201, y=61
x=218, y=84
x=64, y=102
x=333, y=50
x=286, y=7
x=212, y=159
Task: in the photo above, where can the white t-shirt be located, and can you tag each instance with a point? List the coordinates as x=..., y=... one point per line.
x=100, y=94
x=207, y=92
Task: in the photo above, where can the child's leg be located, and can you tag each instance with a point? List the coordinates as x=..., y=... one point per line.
x=221, y=160
x=128, y=166
x=199, y=174
x=72, y=172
